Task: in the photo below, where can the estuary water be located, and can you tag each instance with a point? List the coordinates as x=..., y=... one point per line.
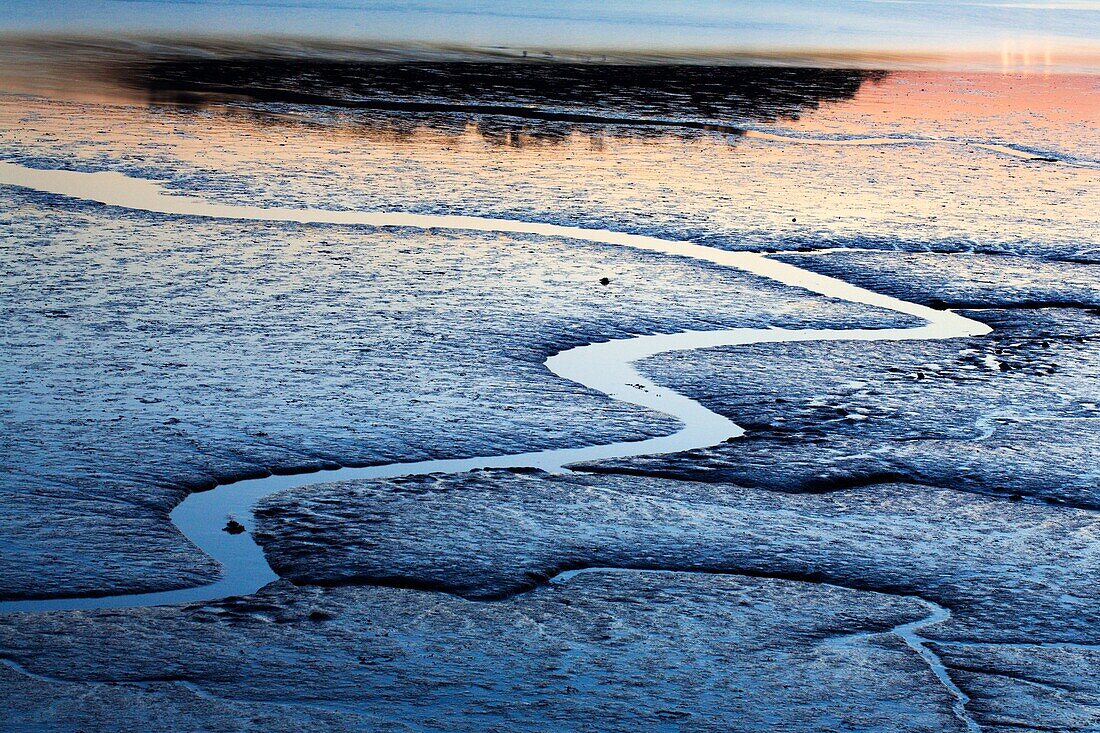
x=876, y=32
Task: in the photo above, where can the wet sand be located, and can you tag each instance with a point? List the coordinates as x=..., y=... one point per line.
x=909, y=483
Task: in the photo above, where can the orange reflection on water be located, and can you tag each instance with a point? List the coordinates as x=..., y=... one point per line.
x=744, y=191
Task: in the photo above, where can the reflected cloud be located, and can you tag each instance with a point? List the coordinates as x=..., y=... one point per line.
x=391, y=92
x=512, y=104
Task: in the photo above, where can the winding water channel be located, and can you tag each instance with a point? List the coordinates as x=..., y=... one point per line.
x=606, y=367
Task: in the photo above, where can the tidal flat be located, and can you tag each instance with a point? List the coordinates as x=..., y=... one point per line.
x=898, y=534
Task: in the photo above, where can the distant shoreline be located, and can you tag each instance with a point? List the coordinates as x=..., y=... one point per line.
x=115, y=48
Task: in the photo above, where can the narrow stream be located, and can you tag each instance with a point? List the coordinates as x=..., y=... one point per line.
x=606, y=367
x=908, y=632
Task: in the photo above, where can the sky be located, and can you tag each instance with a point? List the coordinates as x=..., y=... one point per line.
x=1037, y=29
